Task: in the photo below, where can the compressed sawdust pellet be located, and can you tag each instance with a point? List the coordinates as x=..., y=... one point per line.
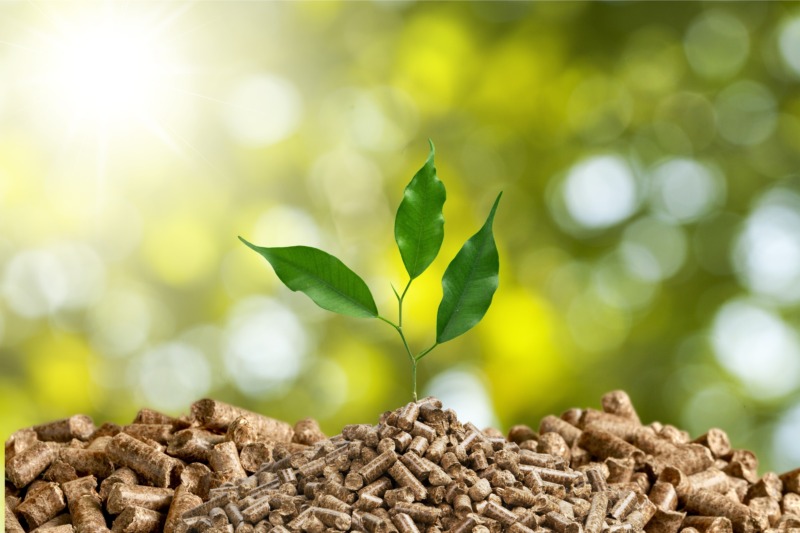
x=418, y=470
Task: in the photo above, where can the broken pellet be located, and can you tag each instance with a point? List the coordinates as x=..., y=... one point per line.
x=78, y=427
x=664, y=496
x=665, y=521
x=26, y=465
x=156, y=467
x=224, y=457
x=182, y=501
x=218, y=415
x=715, y=440
x=137, y=520
x=624, y=506
x=41, y=504
x=618, y=403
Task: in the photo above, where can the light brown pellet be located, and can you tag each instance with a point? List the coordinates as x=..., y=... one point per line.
x=552, y=424
x=707, y=503
x=182, y=501
x=138, y=520
x=378, y=466
x=624, y=505
x=618, y=403
x=419, y=512
x=123, y=496
x=560, y=523
x=595, y=519
x=156, y=467
x=708, y=524
x=663, y=495
x=603, y=444
x=307, y=431
x=87, y=462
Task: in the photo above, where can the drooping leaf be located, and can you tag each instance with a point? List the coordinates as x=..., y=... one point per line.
x=322, y=277
x=469, y=283
x=419, y=224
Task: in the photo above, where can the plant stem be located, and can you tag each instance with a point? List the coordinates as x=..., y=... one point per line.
x=399, y=328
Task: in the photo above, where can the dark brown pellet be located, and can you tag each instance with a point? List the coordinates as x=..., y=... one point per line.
x=41, y=504
x=403, y=476
x=218, y=415
x=78, y=427
x=26, y=465
x=791, y=481
x=87, y=462
x=59, y=472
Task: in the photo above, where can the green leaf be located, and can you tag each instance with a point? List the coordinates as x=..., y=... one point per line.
x=323, y=278
x=469, y=283
x=419, y=225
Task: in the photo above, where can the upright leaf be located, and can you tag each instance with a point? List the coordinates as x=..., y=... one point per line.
x=323, y=278
x=469, y=283
x=419, y=225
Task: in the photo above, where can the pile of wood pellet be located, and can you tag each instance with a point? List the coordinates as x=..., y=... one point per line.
x=419, y=469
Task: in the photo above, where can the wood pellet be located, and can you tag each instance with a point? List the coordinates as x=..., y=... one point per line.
x=419, y=470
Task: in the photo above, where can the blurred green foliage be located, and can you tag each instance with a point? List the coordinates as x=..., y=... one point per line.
x=649, y=237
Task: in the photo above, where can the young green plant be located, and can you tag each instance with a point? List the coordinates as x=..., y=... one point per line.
x=468, y=284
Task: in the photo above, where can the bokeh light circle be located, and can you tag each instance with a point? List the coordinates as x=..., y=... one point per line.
x=264, y=109
x=600, y=191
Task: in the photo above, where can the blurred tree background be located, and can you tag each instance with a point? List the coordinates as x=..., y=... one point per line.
x=649, y=233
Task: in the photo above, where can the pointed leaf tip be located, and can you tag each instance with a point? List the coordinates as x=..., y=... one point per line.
x=419, y=224
x=469, y=283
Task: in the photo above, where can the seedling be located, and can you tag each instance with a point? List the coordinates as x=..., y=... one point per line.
x=468, y=284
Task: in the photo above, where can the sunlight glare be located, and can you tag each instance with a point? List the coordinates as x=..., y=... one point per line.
x=110, y=71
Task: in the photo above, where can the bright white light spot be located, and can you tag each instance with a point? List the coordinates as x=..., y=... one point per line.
x=767, y=253
x=265, y=347
x=172, y=376
x=653, y=250
x=685, y=190
x=746, y=113
x=109, y=69
x=789, y=44
x=600, y=192
x=784, y=444
x=758, y=347
x=716, y=44
x=45, y=281
x=462, y=391
x=120, y=322
x=264, y=109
